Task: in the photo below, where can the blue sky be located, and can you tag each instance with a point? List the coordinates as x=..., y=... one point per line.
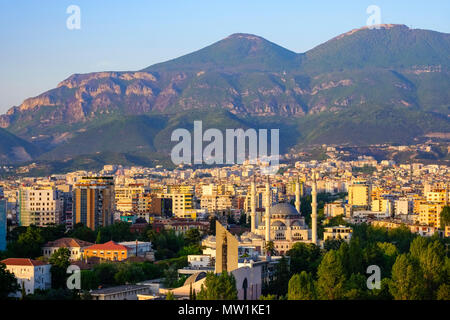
x=38, y=51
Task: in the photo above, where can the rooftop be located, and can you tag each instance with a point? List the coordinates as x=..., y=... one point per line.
x=118, y=289
x=110, y=245
x=68, y=242
x=22, y=262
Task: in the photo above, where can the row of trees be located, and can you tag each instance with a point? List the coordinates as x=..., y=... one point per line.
x=412, y=267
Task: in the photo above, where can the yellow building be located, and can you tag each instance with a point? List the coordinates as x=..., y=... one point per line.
x=182, y=200
x=126, y=196
x=359, y=193
x=437, y=195
x=381, y=205
x=430, y=210
x=430, y=213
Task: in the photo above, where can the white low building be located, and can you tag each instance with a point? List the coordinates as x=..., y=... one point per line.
x=199, y=260
x=338, y=233
x=139, y=248
x=30, y=273
x=75, y=246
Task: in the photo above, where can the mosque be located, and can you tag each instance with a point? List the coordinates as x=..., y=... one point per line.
x=282, y=223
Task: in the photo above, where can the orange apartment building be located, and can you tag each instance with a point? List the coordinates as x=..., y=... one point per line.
x=108, y=251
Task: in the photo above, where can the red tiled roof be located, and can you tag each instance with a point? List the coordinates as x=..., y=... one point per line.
x=110, y=245
x=68, y=242
x=22, y=262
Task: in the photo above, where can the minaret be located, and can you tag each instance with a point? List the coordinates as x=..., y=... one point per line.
x=314, y=209
x=267, y=215
x=253, y=205
x=297, y=196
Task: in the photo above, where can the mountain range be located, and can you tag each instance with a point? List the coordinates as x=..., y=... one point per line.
x=367, y=86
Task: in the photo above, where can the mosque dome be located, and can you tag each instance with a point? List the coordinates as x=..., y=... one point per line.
x=283, y=209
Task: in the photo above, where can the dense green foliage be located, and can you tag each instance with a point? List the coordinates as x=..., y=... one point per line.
x=445, y=217
x=218, y=287
x=60, y=261
x=412, y=267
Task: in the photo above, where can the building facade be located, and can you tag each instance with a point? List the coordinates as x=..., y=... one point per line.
x=39, y=206
x=30, y=274
x=75, y=246
x=94, y=202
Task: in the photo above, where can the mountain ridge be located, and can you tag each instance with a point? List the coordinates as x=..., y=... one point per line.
x=359, y=74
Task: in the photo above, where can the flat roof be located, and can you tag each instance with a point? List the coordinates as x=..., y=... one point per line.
x=118, y=289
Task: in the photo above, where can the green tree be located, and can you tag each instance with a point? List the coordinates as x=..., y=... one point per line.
x=279, y=284
x=332, y=244
x=28, y=244
x=89, y=280
x=443, y=292
x=418, y=246
x=356, y=287
x=82, y=232
x=60, y=261
x=304, y=257
x=171, y=277
x=268, y=297
x=407, y=279
x=445, y=217
x=401, y=237
x=302, y=287
x=188, y=250
x=151, y=270
x=99, y=237
x=432, y=264
x=218, y=287
x=331, y=277
x=383, y=293
x=355, y=256
x=119, y=231
x=192, y=237
x=166, y=243
x=388, y=253
x=8, y=282
x=170, y=296
x=105, y=273
x=129, y=273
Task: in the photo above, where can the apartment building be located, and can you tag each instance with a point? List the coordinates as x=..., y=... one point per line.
x=39, y=206
x=94, y=202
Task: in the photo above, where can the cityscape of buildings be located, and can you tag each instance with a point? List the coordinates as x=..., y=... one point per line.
x=250, y=210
